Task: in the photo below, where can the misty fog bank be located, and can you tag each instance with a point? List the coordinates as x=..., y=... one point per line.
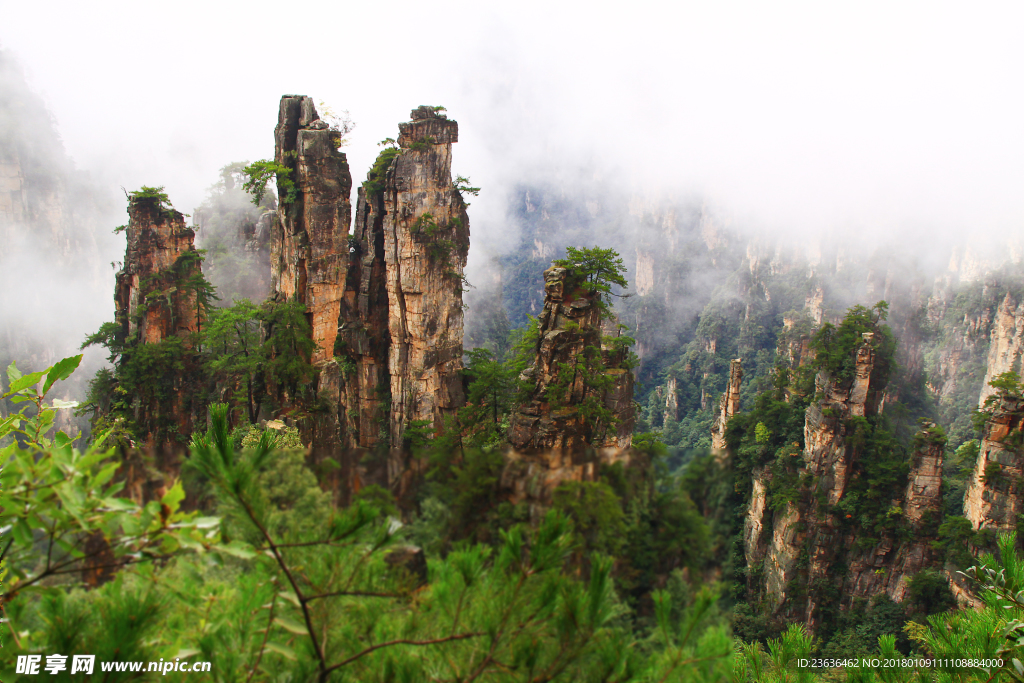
x=826, y=135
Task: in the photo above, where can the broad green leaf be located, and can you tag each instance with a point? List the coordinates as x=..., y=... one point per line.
x=26, y=381
x=104, y=475
x=282, y=650
x=62, y=370
x=22, y=533
x=61, y=405
x=9, y=423
x=174, y=496
x=61, y=440
x=13, y=373
x=238, y=549
x=186, y=652
x=291, y=626
x=169, y=544
x=290, y=597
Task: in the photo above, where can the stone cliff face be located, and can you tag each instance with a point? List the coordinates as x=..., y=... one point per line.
x=728, y=406
x=571, y=420
x=309, y=245
x=384, y=303
x=803, y=544
x=1006, y=345
x=151, y=303
x=888, y=566
x=156, y=300
x=426, y=242
x=994, y=495
x=827, y=459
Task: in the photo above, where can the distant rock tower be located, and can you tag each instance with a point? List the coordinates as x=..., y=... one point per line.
x=553, y=437
x=729, y=406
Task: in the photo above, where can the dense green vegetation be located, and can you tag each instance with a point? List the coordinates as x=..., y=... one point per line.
x=656, y=553
x=278, y=584
x=243, y=347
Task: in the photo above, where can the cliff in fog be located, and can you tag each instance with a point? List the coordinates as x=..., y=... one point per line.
x=384, y=304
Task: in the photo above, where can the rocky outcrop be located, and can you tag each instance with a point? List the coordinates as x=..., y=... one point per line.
x=1006, y=345
x=996, y=491
x=889, y=565
x=580, y=410
x=309, y=237
x=151, y=299
x=727, y=407
x=384, y=303
x=671, y=400
x=808, y=541
x=426, y=242
x=828, y=459
x=794, y=341
x=755, y=545
x=159, y=299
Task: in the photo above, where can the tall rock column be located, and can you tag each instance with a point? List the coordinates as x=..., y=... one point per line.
x=425, y=244
x=729, y=406
x=309, y=237
x=156, y=301
x=1007, y=344
x=384, y=303
x=888, y=566
x=994, y=495
x=828, y=459
x=161, y=255
x=553, y=436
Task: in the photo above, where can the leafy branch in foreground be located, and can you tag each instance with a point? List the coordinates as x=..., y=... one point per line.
x=521, y=615
x=61, y=504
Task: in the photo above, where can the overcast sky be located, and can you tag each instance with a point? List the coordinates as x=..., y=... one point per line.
x=877, y=116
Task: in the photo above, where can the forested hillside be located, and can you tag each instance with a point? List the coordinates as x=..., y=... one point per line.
x=650, y=446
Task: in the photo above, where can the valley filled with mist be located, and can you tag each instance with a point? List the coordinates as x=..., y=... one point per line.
x=697, y=357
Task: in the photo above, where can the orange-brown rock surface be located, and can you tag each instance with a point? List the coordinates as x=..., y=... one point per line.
x=803, y=544
x=995, y=493
x=384, y=303
x=309, y=238
x=156, y=299
x=161, y=255
x=1006, y=345
x=426, y=242
x=556, y=434
x=727, y=407
x=888, y=566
